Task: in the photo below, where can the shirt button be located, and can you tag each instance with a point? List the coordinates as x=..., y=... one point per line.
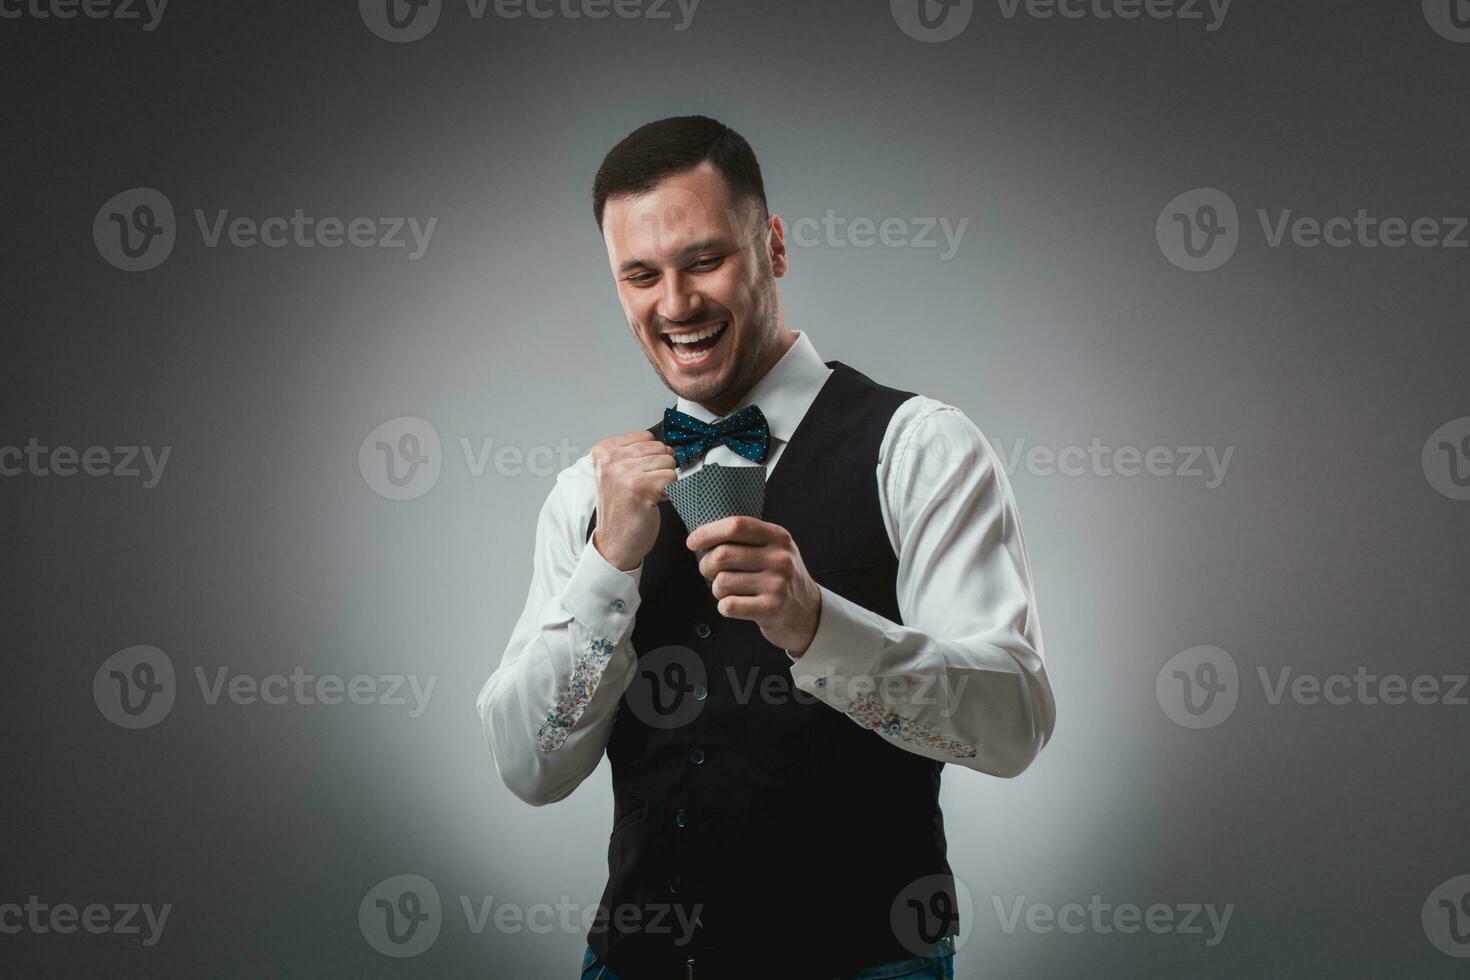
x=700, y=692
x=681, y=818
x=696, y=756
x=821, y=682
x=618, y=604
x=702, y=631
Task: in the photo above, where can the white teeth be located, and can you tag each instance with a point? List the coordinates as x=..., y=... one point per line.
x=698, y=335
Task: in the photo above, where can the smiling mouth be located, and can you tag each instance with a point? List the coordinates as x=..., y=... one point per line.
x=690, y=346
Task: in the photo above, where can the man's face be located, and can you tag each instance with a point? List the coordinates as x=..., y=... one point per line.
x=697, y=279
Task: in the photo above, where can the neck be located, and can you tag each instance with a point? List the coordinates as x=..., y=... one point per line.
x=778, y=351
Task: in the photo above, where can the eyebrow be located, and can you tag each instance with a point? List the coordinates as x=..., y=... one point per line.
x=693, y=248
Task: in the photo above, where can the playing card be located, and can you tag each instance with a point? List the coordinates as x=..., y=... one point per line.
x=715, y=492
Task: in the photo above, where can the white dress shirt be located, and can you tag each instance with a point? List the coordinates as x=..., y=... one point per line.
x=962, y=680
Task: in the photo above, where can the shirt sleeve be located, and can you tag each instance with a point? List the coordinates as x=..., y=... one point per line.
x=548, y=709
x=962, y=680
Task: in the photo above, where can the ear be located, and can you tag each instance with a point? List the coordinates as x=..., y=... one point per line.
x=776, y=246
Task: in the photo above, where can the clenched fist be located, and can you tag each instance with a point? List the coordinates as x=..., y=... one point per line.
x=632, y=471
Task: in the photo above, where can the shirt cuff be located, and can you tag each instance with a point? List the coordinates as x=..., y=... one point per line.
x=845, y=646
x=601, y=596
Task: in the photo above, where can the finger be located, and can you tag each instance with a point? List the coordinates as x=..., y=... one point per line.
x=643, y=464
x=628, y=438
x=754, y=608
x=739, y=583
x=740, y=530
x=732, y=557
x=647, y=447
x=652, y=486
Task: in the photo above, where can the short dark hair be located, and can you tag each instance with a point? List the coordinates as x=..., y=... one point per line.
x=669, y=146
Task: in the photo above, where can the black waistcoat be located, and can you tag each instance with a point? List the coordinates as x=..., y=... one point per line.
x=794, y=835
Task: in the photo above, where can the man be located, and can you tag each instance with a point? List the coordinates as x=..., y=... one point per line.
x=777, y=711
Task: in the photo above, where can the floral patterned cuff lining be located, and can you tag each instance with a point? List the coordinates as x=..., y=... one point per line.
x=869, y=713
x=585, y=676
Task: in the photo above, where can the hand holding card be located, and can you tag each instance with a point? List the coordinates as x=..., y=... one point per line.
x=715, y=492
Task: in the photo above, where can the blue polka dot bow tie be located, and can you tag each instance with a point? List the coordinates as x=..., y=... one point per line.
x=746, y=432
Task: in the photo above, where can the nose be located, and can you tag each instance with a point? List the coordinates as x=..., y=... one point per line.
x=679, y=299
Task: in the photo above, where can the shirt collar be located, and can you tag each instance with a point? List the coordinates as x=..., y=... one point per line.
x=784, y=393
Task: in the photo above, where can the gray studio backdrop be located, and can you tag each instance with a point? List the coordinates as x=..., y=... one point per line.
x=1197, y=270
